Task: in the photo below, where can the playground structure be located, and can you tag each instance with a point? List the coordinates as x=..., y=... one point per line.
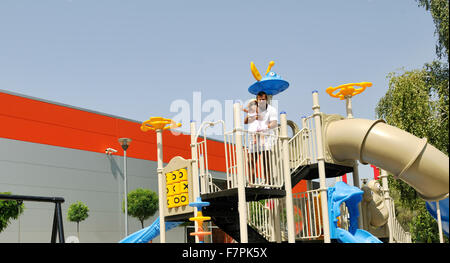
x=327, y=146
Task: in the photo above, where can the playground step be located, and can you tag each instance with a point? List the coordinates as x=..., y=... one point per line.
x=311, y=171
x=251, y=194
x=225, y=215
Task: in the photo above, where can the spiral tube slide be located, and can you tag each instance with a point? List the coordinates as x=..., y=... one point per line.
x=402, y=154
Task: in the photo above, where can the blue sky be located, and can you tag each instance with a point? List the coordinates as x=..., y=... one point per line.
x=134, y=58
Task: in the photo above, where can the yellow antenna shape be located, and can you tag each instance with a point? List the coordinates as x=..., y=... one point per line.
x=255, y=71
x=271, y=63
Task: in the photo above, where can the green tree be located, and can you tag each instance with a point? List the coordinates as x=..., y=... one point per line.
x=417, y=102
x=9, y=209
x=424, y=228
x=142, y=204
x=77, y=212
x=439, y=12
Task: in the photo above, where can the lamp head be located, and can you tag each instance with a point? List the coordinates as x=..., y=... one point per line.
x=124, y=142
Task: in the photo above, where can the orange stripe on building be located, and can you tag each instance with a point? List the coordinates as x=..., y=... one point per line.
x=36, y=121
x=30, y=120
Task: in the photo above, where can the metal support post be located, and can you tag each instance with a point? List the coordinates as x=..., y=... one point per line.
x=195, y=177
x=161, y=183
x=125, y=143
x=349, y=109
x=287, y=179
x=348, y=106
x=388, y=202
x=305, y=140
x=242, y=203
x=60, y=222
x=321, y=166
x=439, y=219
x=276, y=221
x=125, y=192
x=57, y=224
x=158, y=125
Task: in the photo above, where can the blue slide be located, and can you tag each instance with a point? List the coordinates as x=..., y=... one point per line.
x=351, y=195
x=443, y=205
x=146, y=234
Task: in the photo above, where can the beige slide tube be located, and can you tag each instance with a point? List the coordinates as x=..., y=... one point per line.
x=402, y=154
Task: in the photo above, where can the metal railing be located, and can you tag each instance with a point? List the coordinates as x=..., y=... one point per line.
x=303, y=145
x=298, y=147
x=399, y=235
x=262, y=160
x=261, y=216
x=262, y=153
x=205, y=178
x=307, y=215
x=206, y=184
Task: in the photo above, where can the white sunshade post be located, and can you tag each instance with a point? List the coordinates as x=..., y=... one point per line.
x=242, y=204
x=287, y=180
x=321, y=166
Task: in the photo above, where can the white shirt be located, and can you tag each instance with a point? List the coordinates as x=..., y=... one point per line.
x=261, y=142
x=266, y=117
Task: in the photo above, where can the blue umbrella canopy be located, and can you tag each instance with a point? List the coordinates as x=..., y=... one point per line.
x=271, y=83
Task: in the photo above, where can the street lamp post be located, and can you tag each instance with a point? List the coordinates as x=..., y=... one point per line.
x=125, y=142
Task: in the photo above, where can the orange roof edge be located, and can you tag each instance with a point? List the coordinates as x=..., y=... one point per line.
x=39, y=121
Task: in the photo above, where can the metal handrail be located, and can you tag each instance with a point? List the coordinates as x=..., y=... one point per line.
x=262, y=158
x=298, y=149
x=399, y=235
